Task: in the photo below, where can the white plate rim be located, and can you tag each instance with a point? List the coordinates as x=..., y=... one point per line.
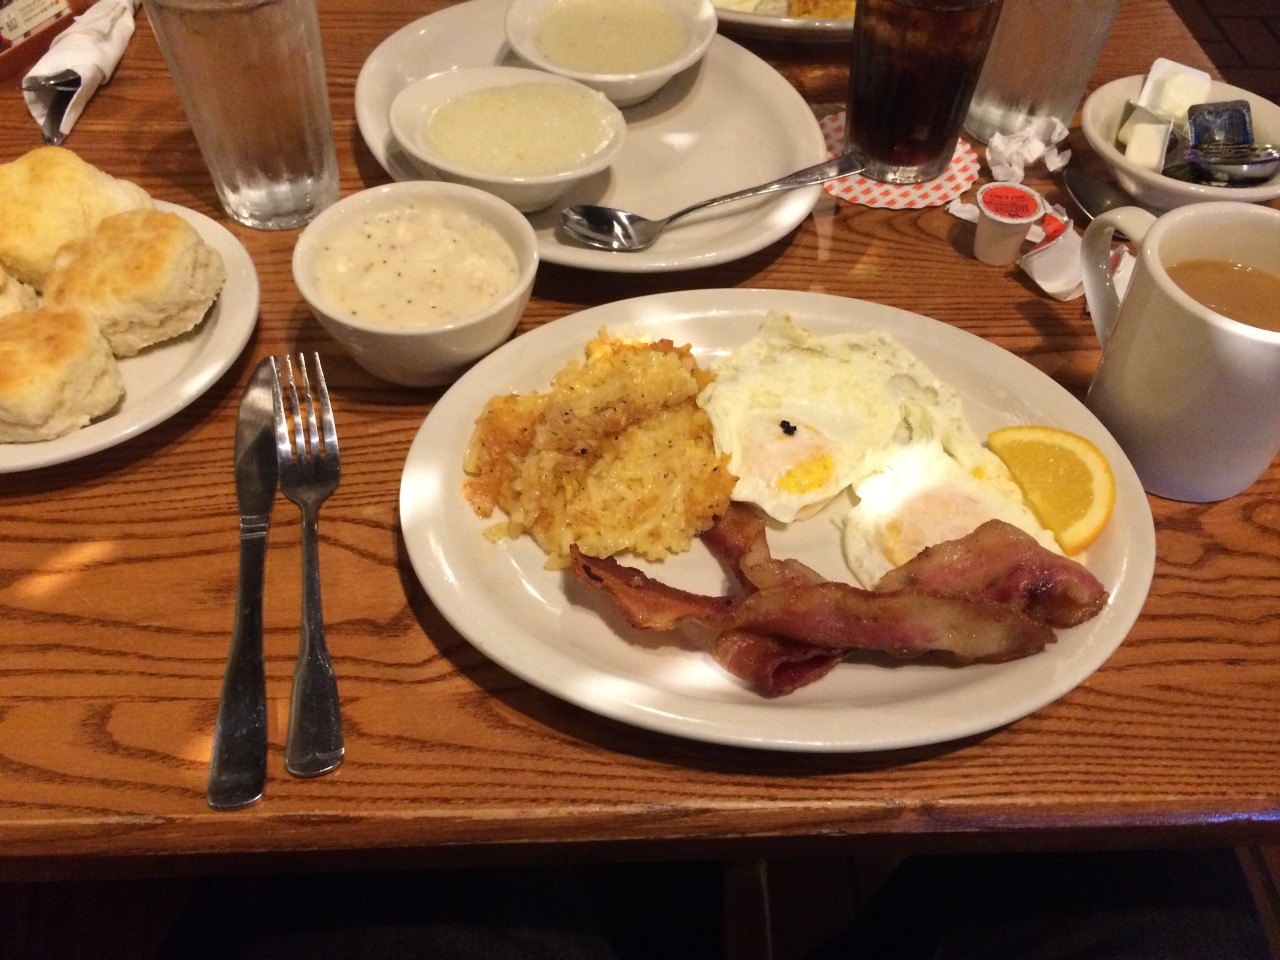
x=769, y=26
x=209, y=351
x=788, y=132
x=457, y=566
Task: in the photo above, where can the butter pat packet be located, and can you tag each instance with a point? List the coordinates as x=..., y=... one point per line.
x=1171, y=88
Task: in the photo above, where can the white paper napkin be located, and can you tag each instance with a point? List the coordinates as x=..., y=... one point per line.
x=92, y=46
x=1009, y=155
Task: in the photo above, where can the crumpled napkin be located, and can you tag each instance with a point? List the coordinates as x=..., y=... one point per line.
x=1009, y=155
x=92, y=46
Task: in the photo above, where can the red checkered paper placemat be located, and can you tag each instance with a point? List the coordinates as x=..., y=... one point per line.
x=955, y=180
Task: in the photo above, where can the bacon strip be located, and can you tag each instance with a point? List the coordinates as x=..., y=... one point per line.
x=905, y=623
x=1001, y=563
x=646, y=603
x=772, y=667
x=738, y=540
x=827, y=616
x=990, y=597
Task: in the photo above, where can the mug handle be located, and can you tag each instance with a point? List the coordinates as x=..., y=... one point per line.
x=1095, y=263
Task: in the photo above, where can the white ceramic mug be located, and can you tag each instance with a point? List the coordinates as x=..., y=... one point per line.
x=1192, y=397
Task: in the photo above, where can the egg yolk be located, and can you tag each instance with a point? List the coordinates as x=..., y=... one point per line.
x=808, y=476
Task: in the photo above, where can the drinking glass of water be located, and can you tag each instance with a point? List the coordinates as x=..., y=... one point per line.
x=250, y=74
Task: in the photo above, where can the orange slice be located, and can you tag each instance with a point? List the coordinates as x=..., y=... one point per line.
x=1065, y=479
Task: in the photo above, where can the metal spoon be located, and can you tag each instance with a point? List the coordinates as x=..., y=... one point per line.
x=1093, y=195
x=64, y=86
x=1235, y=164
x=612, y=229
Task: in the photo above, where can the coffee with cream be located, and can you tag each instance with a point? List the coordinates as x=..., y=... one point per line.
x=1243, y=293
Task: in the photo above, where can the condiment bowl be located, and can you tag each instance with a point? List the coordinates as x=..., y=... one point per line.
x=1105, y=110
x=624, y=85
x=402, y=349
x=528, y=164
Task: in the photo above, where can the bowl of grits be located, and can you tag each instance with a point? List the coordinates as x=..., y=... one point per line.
x=417, y=280
x=523, y=135
x=626, y=49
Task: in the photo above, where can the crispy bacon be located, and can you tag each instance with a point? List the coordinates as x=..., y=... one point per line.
x=646, y=603
x=772, y=667
x=905, y=623
x=738, y=540
x=990, y=597
x=999, y=562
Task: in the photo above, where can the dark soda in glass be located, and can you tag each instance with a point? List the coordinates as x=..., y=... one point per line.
x=915, y=65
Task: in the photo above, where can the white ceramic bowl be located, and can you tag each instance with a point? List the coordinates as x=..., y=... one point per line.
x=1100, y=119
x=434, y=352
x=413, y=106
x=697, y=17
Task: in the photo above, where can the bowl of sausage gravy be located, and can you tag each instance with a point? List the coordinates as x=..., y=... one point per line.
x=417, y=280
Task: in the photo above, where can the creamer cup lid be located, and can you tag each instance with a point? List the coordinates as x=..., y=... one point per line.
x=1010, y=203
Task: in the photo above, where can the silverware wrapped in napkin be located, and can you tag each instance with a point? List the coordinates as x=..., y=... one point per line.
x=88, y=50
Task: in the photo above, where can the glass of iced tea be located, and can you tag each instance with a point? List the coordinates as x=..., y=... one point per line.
x=915, y=65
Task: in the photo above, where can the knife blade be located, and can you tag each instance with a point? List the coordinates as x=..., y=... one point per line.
x=238, y=761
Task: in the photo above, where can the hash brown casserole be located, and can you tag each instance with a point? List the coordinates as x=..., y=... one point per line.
x=615, y=457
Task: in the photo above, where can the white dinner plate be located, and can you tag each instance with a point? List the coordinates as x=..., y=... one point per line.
x=731, y=122
x=163, y=379
x=542, y=626
x=778, y=26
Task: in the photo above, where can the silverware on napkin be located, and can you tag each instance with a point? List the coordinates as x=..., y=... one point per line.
x=79, y=60
x=58, y=91
x=238, y=764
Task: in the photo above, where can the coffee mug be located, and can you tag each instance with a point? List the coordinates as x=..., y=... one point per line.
x=1191, y=395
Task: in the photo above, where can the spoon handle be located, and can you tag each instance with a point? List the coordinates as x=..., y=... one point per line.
x=832, y=169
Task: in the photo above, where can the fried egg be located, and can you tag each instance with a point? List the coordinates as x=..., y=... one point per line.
x=926, y=493
x=804, y=417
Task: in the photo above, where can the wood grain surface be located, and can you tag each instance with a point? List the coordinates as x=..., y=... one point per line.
x=118, y=573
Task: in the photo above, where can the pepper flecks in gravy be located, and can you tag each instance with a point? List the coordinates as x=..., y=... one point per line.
x=419, y=265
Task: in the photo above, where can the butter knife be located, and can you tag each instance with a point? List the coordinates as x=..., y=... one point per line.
x=238, y=762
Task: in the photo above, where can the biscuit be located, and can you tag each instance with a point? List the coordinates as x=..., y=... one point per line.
x=16, y=295
x=822, y=9
x=48, y=197
x=56, y=374
x=143, y=276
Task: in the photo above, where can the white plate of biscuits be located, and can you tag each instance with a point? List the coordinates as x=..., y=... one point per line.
x=163, y=378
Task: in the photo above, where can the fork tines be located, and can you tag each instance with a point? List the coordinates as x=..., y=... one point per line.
x=314, y=434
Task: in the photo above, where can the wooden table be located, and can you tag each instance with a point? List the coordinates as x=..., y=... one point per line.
x=118, y=571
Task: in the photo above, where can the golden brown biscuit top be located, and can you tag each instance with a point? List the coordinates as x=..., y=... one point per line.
x=48, y=196
x=35, y=345
x=131, y=253
x=822, y=9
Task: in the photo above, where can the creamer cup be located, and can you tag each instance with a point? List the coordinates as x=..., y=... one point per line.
x=1006, y=212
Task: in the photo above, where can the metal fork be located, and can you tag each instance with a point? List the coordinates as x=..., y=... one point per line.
x=309, y=470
